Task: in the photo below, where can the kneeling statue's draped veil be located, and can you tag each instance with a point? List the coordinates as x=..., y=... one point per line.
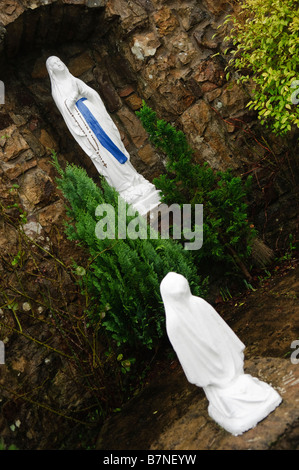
x=212, y=357
x=90, y=124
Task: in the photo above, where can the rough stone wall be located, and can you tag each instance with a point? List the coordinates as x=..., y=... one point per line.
x=164, y=52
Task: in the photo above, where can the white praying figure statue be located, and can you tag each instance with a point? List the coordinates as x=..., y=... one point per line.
x=92, y=127
x=212, y=357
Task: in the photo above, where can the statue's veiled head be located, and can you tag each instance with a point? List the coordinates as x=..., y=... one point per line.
x=174, y=286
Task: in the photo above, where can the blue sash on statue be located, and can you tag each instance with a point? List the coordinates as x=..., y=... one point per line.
x=103, y=138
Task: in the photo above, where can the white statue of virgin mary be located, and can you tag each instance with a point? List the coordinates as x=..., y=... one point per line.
x=92, y=127
x=212, y=357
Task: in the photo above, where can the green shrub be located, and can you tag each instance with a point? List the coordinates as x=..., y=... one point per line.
x=124, y=275
x=266, y=35
x=227, y=234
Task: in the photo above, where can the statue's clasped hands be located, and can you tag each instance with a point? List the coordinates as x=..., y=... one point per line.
x=72, y=100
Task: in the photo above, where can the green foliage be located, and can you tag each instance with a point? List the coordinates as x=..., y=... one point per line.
x=124, y=275
x=227, y=234
x=266, y=35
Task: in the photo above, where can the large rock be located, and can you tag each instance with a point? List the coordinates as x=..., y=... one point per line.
x=13, y=171
x=37, y=190
x=10, y=10
x=145, y=45
x=12, y=143
x=191, y=15
x=133, y=125
x=131, y=15
x=183, y=48
x=165, y=21
x=52, y=215
x=216, y=6
x=80, y=64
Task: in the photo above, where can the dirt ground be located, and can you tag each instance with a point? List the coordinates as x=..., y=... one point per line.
x=265, y=317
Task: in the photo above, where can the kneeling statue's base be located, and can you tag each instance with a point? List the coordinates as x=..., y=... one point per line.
x=242, y=404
